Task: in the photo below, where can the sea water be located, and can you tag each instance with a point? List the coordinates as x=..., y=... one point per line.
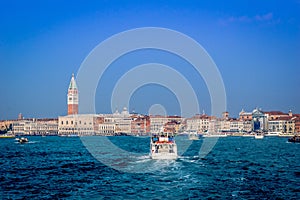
x=65, y=168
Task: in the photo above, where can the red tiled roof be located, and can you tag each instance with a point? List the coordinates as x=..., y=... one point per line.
x=286, y=118
x=275, y=113
x=174, y=116
x=200, y=117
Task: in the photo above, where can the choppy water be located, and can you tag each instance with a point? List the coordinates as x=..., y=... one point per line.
x=236, y=168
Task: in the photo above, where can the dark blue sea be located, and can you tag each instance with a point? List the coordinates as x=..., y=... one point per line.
x=65, y=168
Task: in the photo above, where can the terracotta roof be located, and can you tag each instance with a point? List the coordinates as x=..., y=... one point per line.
x=174, y=116
x=200, y=117
x=285, y=118
x=275, y=113
x=172, y=123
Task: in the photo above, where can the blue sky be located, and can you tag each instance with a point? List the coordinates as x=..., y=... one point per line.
x=255, y=45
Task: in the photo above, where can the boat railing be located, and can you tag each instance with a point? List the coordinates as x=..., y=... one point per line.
x=162, y=139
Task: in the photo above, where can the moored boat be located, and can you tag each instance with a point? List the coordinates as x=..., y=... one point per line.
x=295, y=139
x=193, y=136
x=272, y=134
x=259, y=136
x=215, y=135
x=163, y=146
x=6, y=136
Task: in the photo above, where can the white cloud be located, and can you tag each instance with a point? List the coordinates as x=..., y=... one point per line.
x=268, y=17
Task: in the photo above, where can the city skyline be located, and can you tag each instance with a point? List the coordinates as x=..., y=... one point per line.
x=255, y=47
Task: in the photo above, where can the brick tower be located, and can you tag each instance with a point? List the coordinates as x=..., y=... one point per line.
x=72, y=97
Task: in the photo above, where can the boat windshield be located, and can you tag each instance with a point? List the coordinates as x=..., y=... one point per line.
x=162, y=138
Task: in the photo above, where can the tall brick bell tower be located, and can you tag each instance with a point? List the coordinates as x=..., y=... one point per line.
x=72, y=97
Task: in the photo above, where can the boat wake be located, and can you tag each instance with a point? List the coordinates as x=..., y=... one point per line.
x=30, y=142
x=33, y=142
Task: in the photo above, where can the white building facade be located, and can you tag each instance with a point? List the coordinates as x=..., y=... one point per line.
x=35, y=127
x=82, y=124
x=199, y=123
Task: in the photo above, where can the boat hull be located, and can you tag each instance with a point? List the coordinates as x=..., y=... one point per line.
x=294, y=139
x=259, y=137
x=6, y=136
x=22, y=140
x=163, y=147
x=164, y=156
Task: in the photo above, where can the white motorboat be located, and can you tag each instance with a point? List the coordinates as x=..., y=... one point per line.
x=193, y=136
x=22, y=140
x=163, y=146
x=272, y=134
x=259, y=136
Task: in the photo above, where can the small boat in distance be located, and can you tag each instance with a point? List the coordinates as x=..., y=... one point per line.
x=193, y=135
x=163, y=146
x=22, y=140
x=259, y=135
x=7, y=135
x=295, y=139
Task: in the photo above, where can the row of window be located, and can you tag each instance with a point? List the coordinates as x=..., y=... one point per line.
x=107, y=131
x=76, y=129
x=107, y=127
x=72, y=123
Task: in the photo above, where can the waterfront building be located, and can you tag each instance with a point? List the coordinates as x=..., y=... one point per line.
x=35, y=127
x=199, y=123
x=172, y=127
x=271, y=115
x=81, y=124
x=214, y=125
x=6, y=125
x=224, y=126
x=236, y=125
x=247, y=126
x=259, y=121
x=140, y=124
x=122, y=121
x=159, y=121
x=282, y=125
x=230, y=125
x=296, y=118
x=108, y=127
x=44, y=127
x=245, y=116
x=72, y=97
x=18, y=127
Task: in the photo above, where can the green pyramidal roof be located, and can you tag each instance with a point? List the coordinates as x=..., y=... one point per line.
x=72, y=83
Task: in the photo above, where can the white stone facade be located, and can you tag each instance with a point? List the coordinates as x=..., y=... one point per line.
x=158, y=121
x=83, y=124
x=35, y=127
x=198, y=123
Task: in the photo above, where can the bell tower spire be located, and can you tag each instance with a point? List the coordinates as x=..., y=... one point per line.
x=72, y=97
